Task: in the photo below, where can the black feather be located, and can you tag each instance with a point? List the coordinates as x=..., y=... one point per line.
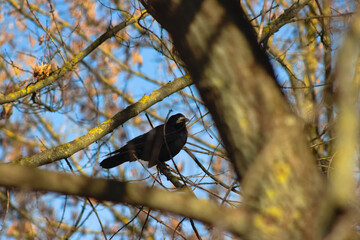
x=151, y=146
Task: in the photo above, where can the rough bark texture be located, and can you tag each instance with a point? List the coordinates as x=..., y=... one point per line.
x=227, y=66
x=264, y=140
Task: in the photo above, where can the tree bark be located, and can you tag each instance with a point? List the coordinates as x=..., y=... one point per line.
x=263, y=138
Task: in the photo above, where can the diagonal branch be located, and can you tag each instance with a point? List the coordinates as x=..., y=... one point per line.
x=67, y=149
x=263, y=138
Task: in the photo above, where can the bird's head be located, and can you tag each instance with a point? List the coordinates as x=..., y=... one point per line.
x=177, y=120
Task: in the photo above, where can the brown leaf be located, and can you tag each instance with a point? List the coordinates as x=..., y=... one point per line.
x=42, y=71
x=41, y=39
x=12, y=230
x=6, y=111
x=136, y=58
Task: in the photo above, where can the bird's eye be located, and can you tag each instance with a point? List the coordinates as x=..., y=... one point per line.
x=180, y=120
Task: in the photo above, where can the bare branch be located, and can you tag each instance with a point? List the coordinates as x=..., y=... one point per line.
x=67, y=149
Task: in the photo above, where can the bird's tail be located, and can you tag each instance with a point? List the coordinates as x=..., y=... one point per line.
x=113, y=161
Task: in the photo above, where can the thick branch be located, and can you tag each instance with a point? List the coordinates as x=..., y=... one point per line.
x=264, y=140
x=67, y=149
x=182, y=203
x=234, y=77
x=347, y=82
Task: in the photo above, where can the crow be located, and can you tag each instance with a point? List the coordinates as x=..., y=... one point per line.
x=151, y=146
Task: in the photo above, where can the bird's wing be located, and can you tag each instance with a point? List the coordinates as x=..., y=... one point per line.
x=146, y=146
x=133, y=150
x=172, y=135
x=135, y=143
x=153, y=145
x=159, y=145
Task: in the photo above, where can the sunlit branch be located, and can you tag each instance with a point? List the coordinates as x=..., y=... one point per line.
x=67, y=149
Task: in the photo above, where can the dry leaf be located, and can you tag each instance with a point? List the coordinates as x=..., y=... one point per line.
x=42, y=71
x=136, y=58
x=181, y=166
x=41, y=39
x=12, y=230
x=6, y=111
x=31, y=41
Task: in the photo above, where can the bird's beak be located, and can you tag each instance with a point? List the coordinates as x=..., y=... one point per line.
x=182, y=120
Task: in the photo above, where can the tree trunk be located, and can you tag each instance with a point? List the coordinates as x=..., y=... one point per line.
x=263, y=138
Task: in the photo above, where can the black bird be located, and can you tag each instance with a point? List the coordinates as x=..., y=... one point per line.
x=151, y=146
